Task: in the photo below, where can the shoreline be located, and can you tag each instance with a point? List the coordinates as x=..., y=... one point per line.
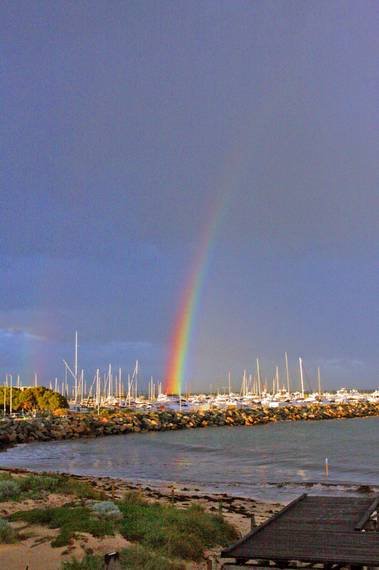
x=184, y=490
x=241, y=512
x=236, y=510
x=78, y=425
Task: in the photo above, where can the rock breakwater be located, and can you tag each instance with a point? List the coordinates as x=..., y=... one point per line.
x=76, y=425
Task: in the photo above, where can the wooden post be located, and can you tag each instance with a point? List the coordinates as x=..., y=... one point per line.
x=253, y=524
x=112, y=561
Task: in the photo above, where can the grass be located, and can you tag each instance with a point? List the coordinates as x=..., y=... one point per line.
x=138, y=557
x=8, y=489
x=135, y=557
x=69, y=520
x=79, y=489
x=7, y=533
x=177, y=533
x=166, y=535
x=89, y=562
x=38, y=486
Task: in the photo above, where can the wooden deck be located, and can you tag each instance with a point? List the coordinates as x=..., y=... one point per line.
x=327, y=530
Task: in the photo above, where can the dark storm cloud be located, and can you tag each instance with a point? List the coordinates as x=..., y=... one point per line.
x=123, y=123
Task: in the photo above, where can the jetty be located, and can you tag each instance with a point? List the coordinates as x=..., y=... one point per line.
x=64, y=424
x=310, y=530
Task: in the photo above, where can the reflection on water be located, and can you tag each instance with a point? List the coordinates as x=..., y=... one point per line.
x=301, y=474
x=253, y=461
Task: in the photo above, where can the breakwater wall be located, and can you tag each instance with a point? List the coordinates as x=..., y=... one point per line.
x=76, y=425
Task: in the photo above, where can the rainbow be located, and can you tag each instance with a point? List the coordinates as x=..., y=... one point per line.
x=184, y=322
x=182, y=332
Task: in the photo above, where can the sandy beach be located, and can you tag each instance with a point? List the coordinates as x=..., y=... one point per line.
x=34, y=545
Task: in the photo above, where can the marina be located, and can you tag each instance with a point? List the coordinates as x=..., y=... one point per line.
x=114, y=390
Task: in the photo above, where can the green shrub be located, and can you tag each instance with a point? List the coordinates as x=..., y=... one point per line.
x=80, y=489
x=36, y=483
x=35, y=486
x=34, y=516
x=182, y=533
x=164, y=532
x=5, y=476
x=69, y=520
x=89, y=562
x=106, y=509
x=134, y=498
x=7, y=533
x=9, y=489
x=184, y=545
x=138, y=557
x=134, y=558
x=35, y=398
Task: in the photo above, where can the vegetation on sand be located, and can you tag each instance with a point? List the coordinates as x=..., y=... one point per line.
x=69, y=520
x=165, y=535
x=173, y=532
x=7, y=533
x=18, y=488
x=135, y=557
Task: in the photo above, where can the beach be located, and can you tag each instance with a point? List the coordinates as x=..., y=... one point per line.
x=36, y=546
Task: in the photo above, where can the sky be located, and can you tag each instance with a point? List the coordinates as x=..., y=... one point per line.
x=123, y=126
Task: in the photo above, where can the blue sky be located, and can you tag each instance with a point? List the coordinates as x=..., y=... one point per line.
x=122, y=122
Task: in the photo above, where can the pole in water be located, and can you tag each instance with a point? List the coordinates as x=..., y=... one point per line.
x=326, y=467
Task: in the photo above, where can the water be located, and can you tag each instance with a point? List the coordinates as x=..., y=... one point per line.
x=267, y=462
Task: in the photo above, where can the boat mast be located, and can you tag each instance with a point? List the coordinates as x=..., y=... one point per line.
x=136, y=378
x=97, y=387
x=65, y=382
x=80, y=387
x=287, y=372
x=110, y=387
x=301, y=377
x=76, y=367
x=258, y=378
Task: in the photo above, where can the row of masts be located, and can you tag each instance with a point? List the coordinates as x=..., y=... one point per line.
x=254, y=384
x=108, y=386
x=104, y=387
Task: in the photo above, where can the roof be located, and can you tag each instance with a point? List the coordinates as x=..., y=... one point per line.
x=314, y=529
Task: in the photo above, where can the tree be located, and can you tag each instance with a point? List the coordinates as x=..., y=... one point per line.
x=37, y=398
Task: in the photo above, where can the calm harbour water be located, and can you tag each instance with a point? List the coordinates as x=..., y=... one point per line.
x=267, y=462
